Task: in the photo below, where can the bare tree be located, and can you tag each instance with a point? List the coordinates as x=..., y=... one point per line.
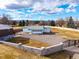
x=60, y=22
x=4, y=20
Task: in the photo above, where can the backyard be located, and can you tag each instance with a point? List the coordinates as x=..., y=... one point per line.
x=8, y=52
x=39, y=29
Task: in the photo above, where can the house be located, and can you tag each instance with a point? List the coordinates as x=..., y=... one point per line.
x=5, y=30
x=36, y=29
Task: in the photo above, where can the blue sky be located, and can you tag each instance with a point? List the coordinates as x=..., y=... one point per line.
x=39, y=9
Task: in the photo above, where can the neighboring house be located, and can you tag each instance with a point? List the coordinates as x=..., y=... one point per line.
x=5, y=30
x=36, y=29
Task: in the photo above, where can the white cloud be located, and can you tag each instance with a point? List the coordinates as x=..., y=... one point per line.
x=24, y=2
x=20, y=4
x=31, y=3
x=45, y=3
x=59, y=9
x=40, y=5
x=3, y=3
x=56, y=10
x=50, y=4
x=71, y=8
x=44, y=7
x=15, y=14
x=73, y=4
x=71, y=1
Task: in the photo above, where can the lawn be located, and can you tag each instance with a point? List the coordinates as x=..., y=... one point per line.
x=68, y=33
x=8, y=52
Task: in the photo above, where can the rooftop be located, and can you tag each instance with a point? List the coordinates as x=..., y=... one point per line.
x=2, y=27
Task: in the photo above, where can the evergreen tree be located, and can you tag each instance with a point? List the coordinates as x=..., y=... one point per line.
x=52, y=23
x=23, y=23
x=71, y=23
x=20, y=23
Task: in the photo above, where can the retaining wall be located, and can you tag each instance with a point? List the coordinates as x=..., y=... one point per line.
x=52, y=49
x=39, y=51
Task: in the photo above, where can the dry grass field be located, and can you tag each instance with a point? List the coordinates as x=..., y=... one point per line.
x=66, y=33
x=7, y=52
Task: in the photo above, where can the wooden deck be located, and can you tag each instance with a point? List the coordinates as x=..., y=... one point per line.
x=73, y=52
x=72, y=49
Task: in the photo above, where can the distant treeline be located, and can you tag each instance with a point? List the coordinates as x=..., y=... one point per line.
x=67, y=22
